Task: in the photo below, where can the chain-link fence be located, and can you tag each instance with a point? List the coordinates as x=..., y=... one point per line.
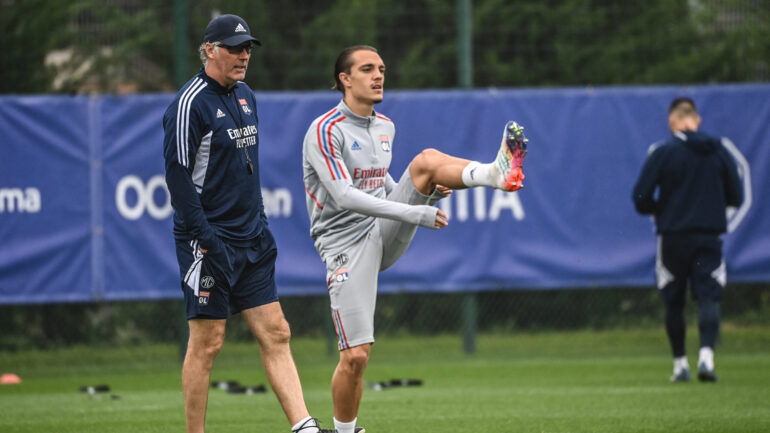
x=506, y=312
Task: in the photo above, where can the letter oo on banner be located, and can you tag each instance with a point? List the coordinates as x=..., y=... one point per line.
x=145, y=198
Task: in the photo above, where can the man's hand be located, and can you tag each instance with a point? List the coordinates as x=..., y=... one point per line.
x=445, y=191
x=441, y=219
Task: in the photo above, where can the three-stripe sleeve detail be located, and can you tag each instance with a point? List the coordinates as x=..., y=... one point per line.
x=324, y=136
x=183, y=119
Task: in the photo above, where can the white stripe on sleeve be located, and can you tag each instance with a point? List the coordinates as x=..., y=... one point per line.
x=183, y=119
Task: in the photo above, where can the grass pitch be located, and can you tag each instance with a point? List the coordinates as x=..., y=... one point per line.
x=608, y=381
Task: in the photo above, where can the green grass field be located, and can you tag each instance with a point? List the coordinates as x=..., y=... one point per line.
x=609, y=381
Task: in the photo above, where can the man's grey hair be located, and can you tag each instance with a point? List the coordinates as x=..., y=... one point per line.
x=202, y=51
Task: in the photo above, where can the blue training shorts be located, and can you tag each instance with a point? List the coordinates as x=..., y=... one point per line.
x=220, y=283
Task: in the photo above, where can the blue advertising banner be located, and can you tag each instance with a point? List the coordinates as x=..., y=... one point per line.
x=46, y=199
x=85, y=214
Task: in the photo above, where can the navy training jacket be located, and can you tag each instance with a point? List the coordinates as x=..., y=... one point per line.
x=697, y=179
x=210, y=138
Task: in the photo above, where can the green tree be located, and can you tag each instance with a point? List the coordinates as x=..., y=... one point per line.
x=600, y=42
x=31, y=34
x=128, y=45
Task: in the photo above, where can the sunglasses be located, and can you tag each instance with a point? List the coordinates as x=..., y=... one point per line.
x=236, y=49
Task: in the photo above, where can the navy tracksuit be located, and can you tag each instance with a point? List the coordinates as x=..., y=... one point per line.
x=696, y=179
x=210, y=147
x=210, y=141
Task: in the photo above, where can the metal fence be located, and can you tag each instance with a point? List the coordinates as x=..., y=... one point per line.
x=495, y=312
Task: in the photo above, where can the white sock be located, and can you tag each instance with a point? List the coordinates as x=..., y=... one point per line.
x=301, y=427
x=345, y=427
x=706, y=356
x=680, y=364
x=478, y=174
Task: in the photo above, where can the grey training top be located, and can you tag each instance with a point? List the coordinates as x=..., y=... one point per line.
x=345, y=161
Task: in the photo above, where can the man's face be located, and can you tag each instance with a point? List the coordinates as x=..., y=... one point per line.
x=228, y=65
x=678, y=122
x=366, y=79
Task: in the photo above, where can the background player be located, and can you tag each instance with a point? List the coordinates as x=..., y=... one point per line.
x=361, y=220
x=696, y=178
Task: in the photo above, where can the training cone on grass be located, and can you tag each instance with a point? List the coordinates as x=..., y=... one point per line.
x=9, y=379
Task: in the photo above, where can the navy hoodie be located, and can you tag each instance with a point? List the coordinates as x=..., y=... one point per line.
x=696, y=179
x=210, y=138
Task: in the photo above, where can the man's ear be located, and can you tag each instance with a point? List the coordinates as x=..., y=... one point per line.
x=210, y=50
x=344, y=79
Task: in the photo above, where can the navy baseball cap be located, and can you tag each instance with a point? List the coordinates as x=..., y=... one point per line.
x=230, y=30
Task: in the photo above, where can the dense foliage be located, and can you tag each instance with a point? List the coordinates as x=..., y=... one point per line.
x=128, y=45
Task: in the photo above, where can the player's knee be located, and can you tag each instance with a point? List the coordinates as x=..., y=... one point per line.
x=431, y=153
x=425, y=161
x=675, y=305
x=207, y=349
x=213, y=350
x=355, y=360
x=708, y=309
x=673, y=297
x=279, y=332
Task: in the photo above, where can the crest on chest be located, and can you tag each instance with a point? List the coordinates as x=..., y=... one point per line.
x=385, y=143
x=244, y=106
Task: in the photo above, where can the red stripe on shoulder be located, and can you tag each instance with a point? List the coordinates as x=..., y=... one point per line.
x=383, y=117
x=331, y=149
x=320, y=140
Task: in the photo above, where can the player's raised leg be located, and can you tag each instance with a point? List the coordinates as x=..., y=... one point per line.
x=432, y=167
x=505, y=172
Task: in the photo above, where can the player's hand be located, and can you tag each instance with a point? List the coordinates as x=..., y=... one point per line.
x=442, y=220
x=444, y=190
x=203, y=250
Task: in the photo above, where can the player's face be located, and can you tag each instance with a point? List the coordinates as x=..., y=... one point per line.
x=228, y=65
x=683, y=123
x=366, y=80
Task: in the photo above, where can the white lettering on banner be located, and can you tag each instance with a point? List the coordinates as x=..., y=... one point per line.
x=18, y=200
x=501, y=200
x=277, y=202
x=145, y=198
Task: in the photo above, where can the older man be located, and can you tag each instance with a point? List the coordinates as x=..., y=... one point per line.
x=226, y=252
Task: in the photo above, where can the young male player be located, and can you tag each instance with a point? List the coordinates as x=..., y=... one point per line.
x=361, y=220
